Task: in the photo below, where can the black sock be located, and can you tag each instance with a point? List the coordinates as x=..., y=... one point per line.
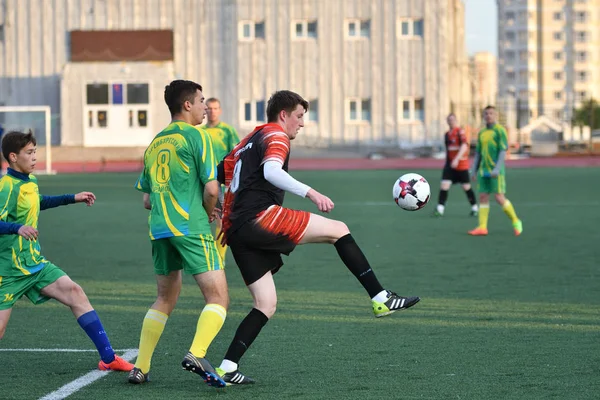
x=471, y=196
x=357, y=263
x=246, y=333
x=443, y=197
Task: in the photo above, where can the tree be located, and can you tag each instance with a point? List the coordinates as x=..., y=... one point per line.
x=588, y=114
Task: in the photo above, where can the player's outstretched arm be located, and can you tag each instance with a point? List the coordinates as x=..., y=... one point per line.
x=323, y=203
x=88, y=198
x=278, y=177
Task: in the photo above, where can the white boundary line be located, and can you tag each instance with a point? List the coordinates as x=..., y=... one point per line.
x=83, y=380
x=65, y=350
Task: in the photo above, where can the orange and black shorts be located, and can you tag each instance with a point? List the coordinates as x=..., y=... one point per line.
x=258, y=244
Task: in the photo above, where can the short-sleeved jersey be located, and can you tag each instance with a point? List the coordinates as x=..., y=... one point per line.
x=20, y=203
x=177, y=165
x=224, y=138
x=490, y=142
x=453, y=139
x=242, y=171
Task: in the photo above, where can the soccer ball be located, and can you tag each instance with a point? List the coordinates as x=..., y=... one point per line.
x=411, y=192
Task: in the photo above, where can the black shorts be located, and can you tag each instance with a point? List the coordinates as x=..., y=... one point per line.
x=258, y=244
x=454, y=175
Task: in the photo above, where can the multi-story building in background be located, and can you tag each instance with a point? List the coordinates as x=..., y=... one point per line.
x=548, y=56
x=375, y=71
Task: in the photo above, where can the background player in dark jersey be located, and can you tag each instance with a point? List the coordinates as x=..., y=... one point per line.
x=258, y=229
x=456, y=169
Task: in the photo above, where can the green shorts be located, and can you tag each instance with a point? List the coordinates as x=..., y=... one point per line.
x=491, y=185
x=12, y=288
x=193, y=254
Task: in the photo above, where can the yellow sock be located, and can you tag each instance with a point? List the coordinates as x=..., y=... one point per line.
x=484, y=213
x=152, y=329
x=210, y=322
x=221, y=248
x=510, y=211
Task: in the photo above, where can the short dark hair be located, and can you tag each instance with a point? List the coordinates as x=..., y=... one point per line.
x=451, y=115
x=284, y=100
x=178, y=92
x=212, y=100
x=15, y=141
x=490, y=107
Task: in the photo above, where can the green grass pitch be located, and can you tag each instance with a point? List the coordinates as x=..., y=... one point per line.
x=501, y=317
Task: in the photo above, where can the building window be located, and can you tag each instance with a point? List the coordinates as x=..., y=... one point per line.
x=412, y=110
x=510, y=35
x=523, y=76
x=557, y=95
x=580, y=96
x=97, y=93
x=137, y=93
x=558, y=76
x=250, y=30
x=357, y=29
x=253, y=111
x=582, y=76
x=523, y=55
x=410, y=28
x=313, y=110
x=358, y=110
x=581, y=37
x=558, y=55
x=304, y=29
x=510, y=75
x=523, y=36
x=558, y=35
x=581, y=56
x=557, y=16
x=581, y=16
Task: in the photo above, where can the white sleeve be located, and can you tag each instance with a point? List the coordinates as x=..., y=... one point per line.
x=275, y=175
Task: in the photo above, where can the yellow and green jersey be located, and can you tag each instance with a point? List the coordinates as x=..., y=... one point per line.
x=224, y=138
x=491, y=141
x=20, y=204
x=179, y=162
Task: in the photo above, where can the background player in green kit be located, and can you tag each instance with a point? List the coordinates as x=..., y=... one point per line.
x=181, y=190
x=492, y=144
x=224, y=138
x=23, y=269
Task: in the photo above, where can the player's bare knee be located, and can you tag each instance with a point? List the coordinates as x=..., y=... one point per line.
x=338, y=230
x=266, y=306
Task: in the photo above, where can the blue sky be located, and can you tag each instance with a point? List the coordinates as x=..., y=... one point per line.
x=481, y=25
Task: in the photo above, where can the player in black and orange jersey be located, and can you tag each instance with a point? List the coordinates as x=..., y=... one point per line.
x=259, y=229
x=456, y=169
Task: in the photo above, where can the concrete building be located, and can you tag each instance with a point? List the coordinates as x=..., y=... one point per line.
x=548, y=55
x=377, y=72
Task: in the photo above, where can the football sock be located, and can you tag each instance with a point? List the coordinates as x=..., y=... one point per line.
x=92, y=326
x=246, y=334
x=228, y=366
x=221, y=248
x=471, y=196
x=510, y=211
x=210, y=322
x=381, y=297
x=152, y=329
x=484, y=212
x=443, y=196
x=357, y=263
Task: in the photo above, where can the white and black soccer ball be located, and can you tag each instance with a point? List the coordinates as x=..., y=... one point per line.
x=411, y=192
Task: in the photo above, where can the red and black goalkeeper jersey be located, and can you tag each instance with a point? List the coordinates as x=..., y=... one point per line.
x=242, y=171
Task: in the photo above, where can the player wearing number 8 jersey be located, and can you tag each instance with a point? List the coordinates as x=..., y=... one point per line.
x=181, y=190
x=259, y=229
